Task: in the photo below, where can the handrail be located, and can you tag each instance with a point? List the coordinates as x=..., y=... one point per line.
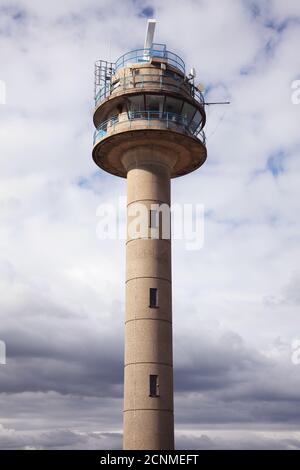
x=144, y=55
x=169, y=118
x=141, y=81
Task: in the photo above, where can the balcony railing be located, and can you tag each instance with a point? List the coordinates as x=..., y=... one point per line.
x=144, y=55
x=111, y=125
x=162, y=82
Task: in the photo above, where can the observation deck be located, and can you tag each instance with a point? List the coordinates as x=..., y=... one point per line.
x=145, y=96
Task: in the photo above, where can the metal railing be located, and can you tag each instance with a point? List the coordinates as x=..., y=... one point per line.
x=144, y=55
x=161, y=82
x=109, y=126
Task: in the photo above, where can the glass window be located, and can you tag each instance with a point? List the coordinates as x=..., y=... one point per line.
x=173, y=75
x=153, y=385
x=173, y=105
x=152, y=297
x=188, y=112
x=153, y=218
x=136, y=103
x=197, y=120
x=155, y=104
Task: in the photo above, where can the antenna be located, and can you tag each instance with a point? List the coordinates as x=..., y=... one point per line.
x=149, y=33
x=200, y=87
x=217, y=102
x=193, y=72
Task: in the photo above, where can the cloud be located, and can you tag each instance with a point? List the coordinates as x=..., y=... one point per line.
x=63, y=439
x=238, y=441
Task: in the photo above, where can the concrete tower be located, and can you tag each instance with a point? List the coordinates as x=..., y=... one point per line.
x=149, y=118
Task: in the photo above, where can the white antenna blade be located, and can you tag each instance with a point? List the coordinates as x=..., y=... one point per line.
x=149, y=34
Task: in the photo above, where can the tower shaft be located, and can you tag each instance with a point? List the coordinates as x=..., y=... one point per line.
x=148, y=386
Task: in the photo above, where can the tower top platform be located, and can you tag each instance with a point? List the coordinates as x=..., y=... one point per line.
x=146, y=99
x=157, y=50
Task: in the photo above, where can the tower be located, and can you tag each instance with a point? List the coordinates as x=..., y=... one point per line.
x=149, y=120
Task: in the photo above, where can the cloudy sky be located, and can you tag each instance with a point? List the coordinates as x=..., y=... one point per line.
x=236, y=301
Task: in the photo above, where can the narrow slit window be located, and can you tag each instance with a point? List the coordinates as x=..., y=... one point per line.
x=153, y=219
x=154, y=386
x=153, y=298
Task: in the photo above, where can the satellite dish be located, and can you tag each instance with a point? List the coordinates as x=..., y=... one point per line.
x=200, y=87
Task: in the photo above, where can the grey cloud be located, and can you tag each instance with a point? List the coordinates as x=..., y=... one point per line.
x=55, y=351
x=61, y=439
x=248, y=442
x=217, y=364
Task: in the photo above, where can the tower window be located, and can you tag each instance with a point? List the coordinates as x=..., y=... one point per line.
x=155, y=104
x=197, y=120
x=173, y=105
x=154, y=386
x=153, y=219
x=153, y=297
x=136, y=104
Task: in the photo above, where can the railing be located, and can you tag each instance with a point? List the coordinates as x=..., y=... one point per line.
x=162, y=82
x=109, y=126
x=144, y=55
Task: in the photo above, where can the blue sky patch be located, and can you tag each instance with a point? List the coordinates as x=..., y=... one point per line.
x=275, y=164
x=147, y=12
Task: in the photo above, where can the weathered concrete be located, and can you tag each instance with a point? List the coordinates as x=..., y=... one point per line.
x=148, y=421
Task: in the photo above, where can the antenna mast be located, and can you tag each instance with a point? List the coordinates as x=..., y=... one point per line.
x=149, y=33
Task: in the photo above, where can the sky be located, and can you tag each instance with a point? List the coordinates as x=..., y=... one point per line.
x=235, y=301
